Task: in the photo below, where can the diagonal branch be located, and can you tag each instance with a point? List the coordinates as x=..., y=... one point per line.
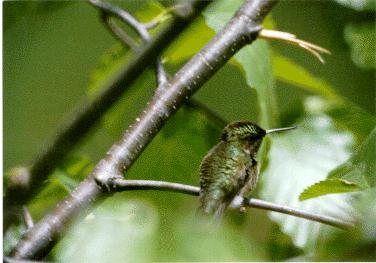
x=26, y=185
x=241, y=30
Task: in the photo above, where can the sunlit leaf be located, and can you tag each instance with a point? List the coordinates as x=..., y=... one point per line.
x=362, y=41
x=355, y=174
x=297, y=160
x=328, y=186
x=150, y=9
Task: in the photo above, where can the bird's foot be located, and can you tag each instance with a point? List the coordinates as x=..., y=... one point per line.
x=242, y=209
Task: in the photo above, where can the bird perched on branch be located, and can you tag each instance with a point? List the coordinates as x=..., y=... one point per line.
x=230, y=168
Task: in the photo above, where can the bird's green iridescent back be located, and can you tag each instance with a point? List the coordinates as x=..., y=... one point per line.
x=225, y=171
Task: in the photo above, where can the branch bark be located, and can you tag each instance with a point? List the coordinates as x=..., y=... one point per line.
x=241, y=30
x=24, y=186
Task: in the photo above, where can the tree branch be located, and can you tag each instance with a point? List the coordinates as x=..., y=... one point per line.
x=88, y=114
x=240, y=31
x=119, y=185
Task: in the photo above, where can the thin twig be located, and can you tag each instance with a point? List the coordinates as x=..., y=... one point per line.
x=123, y=15
x=119, y=185
x=118, y=32
x=241, y=30
x=328, y=220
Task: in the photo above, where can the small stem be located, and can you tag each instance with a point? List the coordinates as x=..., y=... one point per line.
x=123, y=15
x=27, y=217
x=118, y=32
x=119, y=185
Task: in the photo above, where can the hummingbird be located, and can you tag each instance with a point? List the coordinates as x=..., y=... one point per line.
x=230, y=168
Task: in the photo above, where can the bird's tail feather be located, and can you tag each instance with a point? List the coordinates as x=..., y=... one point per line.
x=212, y=216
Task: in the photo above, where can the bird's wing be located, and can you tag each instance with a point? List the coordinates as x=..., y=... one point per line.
x=252, y=174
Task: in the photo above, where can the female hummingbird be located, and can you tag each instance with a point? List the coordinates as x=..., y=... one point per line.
x=230, y=168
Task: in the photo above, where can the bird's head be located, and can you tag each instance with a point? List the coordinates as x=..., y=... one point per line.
x=247, y=131
x=242, y=130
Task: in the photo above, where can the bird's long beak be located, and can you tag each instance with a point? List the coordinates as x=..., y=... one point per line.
x=280, y=129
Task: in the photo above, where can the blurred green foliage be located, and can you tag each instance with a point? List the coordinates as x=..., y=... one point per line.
x=362, y=40
x=57, y=53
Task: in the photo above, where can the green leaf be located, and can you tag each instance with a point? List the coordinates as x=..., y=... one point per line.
x=362, y=38
x=360, y=168
x=329, y=186
x=286, y=70
x=148, y=10
x=298, y=159
x=254, y=60
x=256, y=63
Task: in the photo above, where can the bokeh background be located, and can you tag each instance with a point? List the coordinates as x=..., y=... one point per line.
x=56, y=54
